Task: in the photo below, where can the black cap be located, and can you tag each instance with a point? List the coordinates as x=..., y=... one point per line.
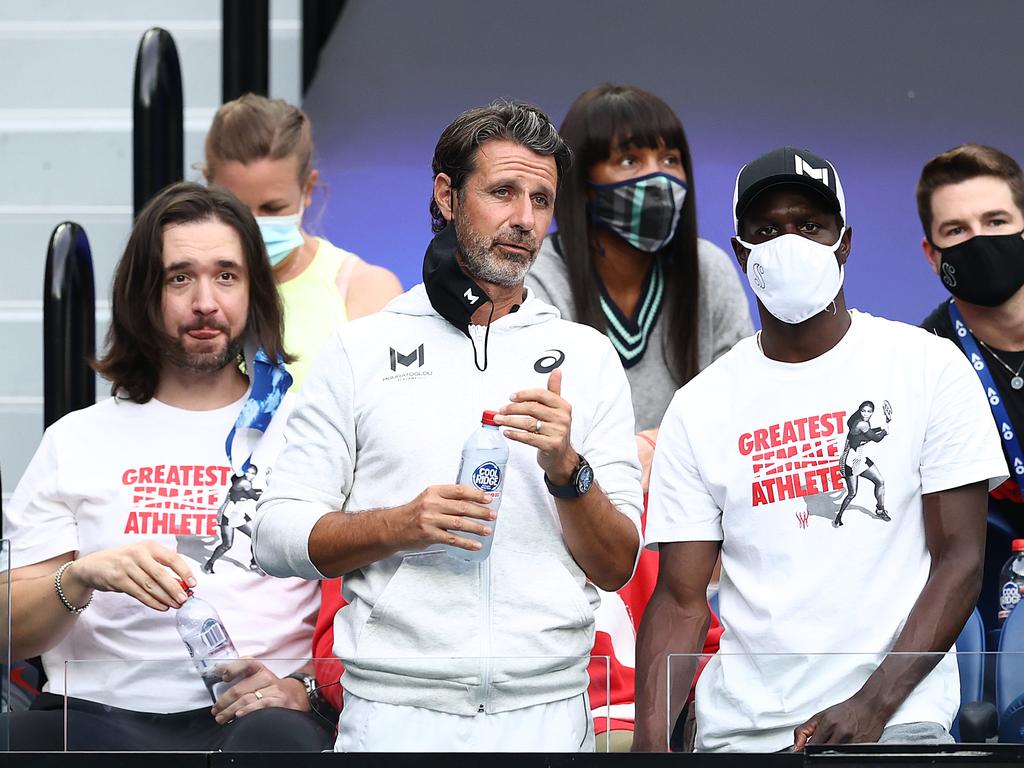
x=788, y=165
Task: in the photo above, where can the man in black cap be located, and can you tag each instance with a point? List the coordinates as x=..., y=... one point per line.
x=758, y=455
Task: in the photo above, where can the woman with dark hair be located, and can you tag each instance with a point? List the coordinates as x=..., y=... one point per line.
x=626, y=258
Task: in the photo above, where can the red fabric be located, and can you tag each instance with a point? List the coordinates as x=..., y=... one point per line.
x=328, y=668
x=1009, y=490
x=619, y=689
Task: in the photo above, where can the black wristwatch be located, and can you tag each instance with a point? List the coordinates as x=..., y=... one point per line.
x=317, y=702
x=579, y=482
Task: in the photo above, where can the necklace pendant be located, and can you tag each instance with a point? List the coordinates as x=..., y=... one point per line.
x=1017, y=382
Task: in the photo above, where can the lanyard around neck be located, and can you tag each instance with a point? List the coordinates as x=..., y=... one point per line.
x=967, y=342
x=270, y=382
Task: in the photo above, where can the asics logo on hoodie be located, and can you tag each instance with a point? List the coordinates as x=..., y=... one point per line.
x=552, y=359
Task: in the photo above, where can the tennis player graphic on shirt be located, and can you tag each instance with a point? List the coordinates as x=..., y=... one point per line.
x=854, y=461
x=232, y=515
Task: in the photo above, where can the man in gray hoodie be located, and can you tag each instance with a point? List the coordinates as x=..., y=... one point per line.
x=442, y=653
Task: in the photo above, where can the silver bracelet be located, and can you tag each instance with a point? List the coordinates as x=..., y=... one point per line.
x=60, y=592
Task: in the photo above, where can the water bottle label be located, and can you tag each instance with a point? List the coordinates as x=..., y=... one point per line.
x=213, y=635
x=487, y=477
x=1009, y=596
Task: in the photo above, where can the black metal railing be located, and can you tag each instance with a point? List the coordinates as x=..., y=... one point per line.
x=158, y=117
x=69, y=324
x=318, y=19
x=245, y=52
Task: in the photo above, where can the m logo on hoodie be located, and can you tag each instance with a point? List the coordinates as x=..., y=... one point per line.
x=397, y=358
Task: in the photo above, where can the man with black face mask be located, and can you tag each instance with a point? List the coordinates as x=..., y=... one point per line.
x=971, y=203
x=757, y=458
x=445, y=649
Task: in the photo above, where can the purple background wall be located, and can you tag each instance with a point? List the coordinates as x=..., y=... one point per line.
x=876, y=86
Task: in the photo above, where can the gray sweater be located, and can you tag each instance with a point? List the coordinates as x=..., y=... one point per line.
x=724, y=319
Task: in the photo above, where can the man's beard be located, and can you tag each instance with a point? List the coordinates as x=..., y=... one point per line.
x=484, y=262
x=177, y=355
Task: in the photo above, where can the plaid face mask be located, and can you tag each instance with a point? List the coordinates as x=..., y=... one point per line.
x=643, y=211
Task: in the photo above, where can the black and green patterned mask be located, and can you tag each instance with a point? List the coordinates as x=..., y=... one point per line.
x=643, y=211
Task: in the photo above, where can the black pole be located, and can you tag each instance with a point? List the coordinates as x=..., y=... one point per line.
x=69, y=324
x=158, y=128
x=318, y=19
x=246, y=48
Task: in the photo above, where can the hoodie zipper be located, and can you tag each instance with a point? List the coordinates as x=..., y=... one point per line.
x=478, y=335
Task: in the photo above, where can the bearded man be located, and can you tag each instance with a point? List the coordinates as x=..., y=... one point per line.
x=445, y=652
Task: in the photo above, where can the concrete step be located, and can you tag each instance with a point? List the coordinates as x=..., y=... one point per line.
x=76, y=10
x=88, y=65
x=88, y=163
x=21, y=343
x=27, y=233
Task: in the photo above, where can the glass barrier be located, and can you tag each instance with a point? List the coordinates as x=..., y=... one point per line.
x=757, y=702
x=5, y=643
x=247, y=705
x=741, y=702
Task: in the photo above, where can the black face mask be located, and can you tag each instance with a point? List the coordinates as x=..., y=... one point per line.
x=453, y=294
x=985, y=270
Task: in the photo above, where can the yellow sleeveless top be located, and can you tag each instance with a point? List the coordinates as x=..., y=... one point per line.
x=313, y=307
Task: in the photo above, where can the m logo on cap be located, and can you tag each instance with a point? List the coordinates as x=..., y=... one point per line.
x=821, y=174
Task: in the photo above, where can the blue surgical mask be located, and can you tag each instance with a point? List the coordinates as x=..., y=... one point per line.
x=281, y=235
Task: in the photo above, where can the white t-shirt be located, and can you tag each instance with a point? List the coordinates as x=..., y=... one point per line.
x=117, y=473
x=751, y=453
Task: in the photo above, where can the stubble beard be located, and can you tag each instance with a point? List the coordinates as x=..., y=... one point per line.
x=486, y=263
x=178, y=356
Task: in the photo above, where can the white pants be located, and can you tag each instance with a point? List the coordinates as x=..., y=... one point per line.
x=371, y=726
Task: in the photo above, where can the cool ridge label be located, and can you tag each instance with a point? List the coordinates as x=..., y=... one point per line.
x=487, y=477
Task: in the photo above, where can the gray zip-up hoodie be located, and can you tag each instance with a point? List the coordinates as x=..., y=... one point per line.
x=382, y=415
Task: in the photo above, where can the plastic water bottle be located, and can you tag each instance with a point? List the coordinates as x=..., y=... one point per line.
x=484, y=457
x=1012, y=581
x=207, y=641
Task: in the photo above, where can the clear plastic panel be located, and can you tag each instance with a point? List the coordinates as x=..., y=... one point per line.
x=755, y=702
x=5, y=643
x=164, y=706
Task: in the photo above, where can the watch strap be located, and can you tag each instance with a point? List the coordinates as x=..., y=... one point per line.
x=571, y=489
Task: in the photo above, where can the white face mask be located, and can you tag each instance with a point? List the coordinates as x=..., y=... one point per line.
x=793, y=277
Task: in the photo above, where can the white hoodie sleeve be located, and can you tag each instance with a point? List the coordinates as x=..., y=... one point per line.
x=313, y=474
x=610, y=442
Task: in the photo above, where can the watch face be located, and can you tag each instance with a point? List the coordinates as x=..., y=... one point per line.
x=585, y=479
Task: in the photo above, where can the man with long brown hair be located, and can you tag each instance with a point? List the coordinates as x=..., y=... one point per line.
x=119, y=505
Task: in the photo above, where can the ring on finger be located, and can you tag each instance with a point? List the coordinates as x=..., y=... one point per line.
x=258, y=695
x=537, y=426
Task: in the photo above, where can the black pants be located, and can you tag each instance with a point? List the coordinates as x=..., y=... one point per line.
x=99, y=728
